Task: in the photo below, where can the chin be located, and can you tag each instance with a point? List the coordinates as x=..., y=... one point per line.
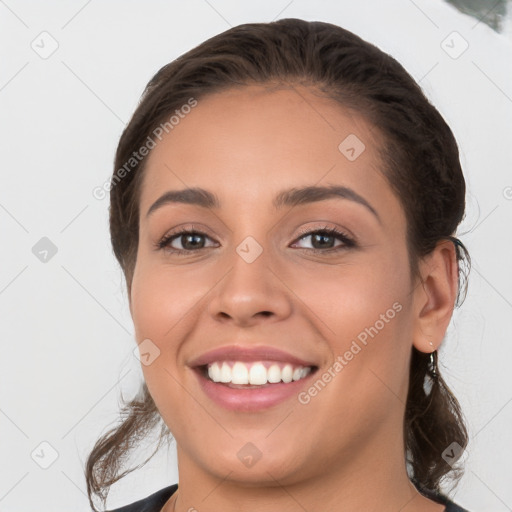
x=250, y=466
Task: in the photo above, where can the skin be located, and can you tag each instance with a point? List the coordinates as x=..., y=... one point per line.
x=344, y=449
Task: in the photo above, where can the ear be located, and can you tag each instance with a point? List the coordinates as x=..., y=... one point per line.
x=434, y=297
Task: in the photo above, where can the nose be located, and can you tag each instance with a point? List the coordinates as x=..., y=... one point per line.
x=249, y=294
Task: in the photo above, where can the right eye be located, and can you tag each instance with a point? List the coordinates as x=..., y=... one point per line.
x=184, y=241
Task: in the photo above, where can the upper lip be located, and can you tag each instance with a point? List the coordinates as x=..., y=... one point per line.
x=248, y=354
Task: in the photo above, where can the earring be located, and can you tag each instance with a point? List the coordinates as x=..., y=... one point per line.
x=433, y=363
x=433, y=360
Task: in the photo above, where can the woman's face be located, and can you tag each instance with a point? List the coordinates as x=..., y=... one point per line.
x=266, y=292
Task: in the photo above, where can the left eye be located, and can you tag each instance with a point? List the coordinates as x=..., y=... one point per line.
x=325, y=239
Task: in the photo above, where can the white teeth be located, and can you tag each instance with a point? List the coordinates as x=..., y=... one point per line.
x=274, y=374
x=287, y=373
x=255, y=374
x=297, y=373
x=239, y=374
x=225, y=373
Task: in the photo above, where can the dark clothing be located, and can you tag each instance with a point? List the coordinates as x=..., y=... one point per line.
x=152, y=503
x=156, y=501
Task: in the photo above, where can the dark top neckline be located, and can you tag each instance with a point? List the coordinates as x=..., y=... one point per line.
x=154, y=502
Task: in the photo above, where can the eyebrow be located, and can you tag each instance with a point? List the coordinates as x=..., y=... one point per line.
x=292, y=197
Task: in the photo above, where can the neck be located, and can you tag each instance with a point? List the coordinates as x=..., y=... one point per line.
x=371, y=483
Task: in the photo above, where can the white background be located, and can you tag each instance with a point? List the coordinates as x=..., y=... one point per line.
x=66, y=333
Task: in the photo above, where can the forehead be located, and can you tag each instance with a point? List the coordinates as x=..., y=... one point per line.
x=250, y=143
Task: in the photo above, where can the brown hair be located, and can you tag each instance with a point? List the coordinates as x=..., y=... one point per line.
x=421, y=163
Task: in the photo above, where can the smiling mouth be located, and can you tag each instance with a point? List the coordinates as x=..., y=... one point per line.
x=257, y=374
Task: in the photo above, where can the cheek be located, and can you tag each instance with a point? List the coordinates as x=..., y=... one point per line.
x=345, y=299
x=366, y=319
x=164, y=304
x=363, y=312
x=162, y=297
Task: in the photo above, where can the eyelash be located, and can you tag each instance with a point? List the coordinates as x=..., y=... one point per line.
x=348, y=242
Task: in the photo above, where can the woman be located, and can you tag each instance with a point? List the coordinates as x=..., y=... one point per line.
x=283, y=207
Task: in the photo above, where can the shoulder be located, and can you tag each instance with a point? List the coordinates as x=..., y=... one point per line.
x=152, y=503
x=453, y=507
x=450, y=505
x=444, y=500
x=438, y=497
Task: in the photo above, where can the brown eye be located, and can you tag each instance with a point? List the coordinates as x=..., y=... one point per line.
x=325, y=239
x=185, y=241
x=322, y=241
x=191, y=241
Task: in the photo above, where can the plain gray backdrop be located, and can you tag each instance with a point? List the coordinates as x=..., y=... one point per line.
x=70, y=77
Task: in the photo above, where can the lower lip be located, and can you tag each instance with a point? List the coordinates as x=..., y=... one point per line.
x=251, y=398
